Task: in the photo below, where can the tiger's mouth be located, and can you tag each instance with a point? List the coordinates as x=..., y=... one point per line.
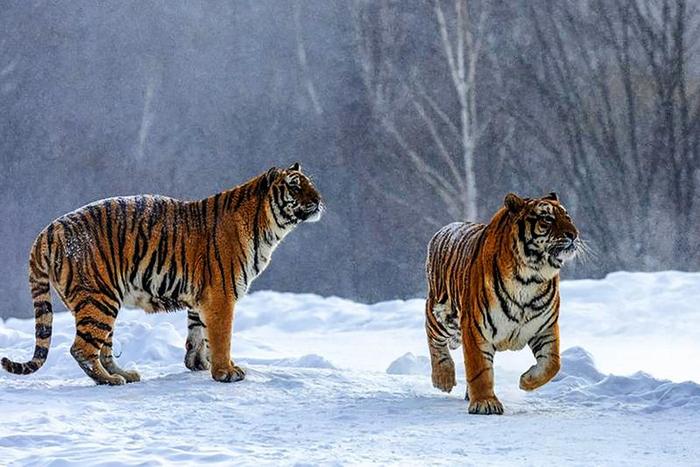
x=312, y=212
x=560, y=254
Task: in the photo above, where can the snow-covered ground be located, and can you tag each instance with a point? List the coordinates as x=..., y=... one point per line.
x=332, y=381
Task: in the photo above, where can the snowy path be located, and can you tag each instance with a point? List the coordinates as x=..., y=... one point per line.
x=317, y=389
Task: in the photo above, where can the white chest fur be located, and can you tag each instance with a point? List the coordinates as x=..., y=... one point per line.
x=257, y=259
x=520, y=312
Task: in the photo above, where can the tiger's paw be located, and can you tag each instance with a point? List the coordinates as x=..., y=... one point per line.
x=444, y=376
x=486, y=406
x=111, y=380
x=131, y=376
x=229, y=375
x=197, y=358
x=536, y=377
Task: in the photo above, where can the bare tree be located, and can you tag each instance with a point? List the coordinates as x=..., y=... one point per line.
x=447, y=164
x=667, y=34
x=147, y=114
x=302, y=59
x=615, y=117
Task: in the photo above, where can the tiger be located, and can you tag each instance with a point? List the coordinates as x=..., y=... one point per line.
x=495, y=287
x=162, y=254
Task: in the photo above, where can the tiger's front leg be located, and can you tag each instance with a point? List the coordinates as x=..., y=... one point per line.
x=478, y=360
x=217, y=311
x=545, y=347
x=197, y=345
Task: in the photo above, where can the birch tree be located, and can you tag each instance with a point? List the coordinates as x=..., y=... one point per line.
x=302, y=58
x=395, y=90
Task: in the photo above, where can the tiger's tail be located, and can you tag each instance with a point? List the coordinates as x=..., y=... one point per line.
x=43, y=313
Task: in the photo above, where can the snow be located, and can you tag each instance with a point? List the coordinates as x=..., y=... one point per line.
x=332, y=381
x=409, y=364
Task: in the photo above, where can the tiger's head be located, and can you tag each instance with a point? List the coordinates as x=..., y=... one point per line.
x=294, y=198
x=547, y=236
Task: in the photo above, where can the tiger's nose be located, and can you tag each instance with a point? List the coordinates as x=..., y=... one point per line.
x=570, y=236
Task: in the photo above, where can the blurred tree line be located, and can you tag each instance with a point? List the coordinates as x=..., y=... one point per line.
x=408, y=114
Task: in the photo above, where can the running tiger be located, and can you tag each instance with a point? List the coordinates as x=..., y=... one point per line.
x=495, y=287
x=162, y=254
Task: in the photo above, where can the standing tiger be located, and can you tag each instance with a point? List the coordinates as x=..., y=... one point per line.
x=162, y=254
x=495, y=287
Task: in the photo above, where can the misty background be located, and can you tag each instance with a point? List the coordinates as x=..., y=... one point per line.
x=407, y=114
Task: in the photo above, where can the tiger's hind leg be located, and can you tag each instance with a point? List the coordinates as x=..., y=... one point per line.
x=197, y=345
x=440, y=339
x=94, y=322
x=107, y=360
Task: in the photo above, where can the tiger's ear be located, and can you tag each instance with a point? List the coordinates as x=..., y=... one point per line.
x=513, y=202
x=272, y=175
x=553, y=196
x=295, y=166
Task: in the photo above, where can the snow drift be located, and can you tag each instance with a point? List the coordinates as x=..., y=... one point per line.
x=330, y=380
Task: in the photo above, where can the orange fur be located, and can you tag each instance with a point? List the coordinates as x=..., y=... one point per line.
x=162, y=254
x=496, y=287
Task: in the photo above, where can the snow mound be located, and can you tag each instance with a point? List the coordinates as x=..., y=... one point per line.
x=291, y=312
x=579, y=381
x=577, y=364
x=306, y=361
x=409, y=364
x=139, y=341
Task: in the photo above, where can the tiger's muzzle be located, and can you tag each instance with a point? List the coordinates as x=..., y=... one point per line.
x=564, y=250
x=311, y=212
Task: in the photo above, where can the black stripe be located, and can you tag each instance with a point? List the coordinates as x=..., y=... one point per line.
x=256, y=236
x=528, y=281
x=274, y=214
x=49, y=237
x=111, y=285
x=146, y=276
x=41, y=353
x=90, y=339
x=487, y=355
x=103, y=307
x=443, y=359
x=40, y=289
x=243, y=268
x=242, y=193
x=478, y=375
x=505, y=307
x=103, y=287
x=228, y=198
x=203, y=211
x=121, y=233
x=139, y=208
x=140, y=249
x=233, y=279
x=475, y=323
x=539, y=346
x=88, y=321
x=194, y=320
x=540, y=296
x=550, y=322
x=41, y=308
x=154, y=215
x=110, y=242
x=217, y=253
x=42, y=331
